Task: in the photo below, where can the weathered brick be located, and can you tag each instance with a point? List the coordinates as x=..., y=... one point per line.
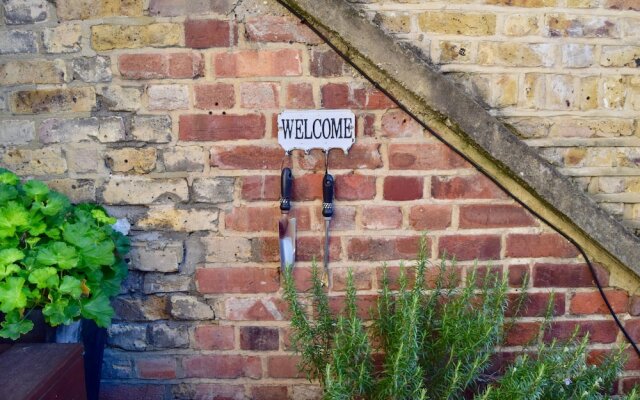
x=430, y=217
x=259, y=95
x=185, y=307
x=168, y=335
x=214, y=96
x=260, y=187
x=308, y=248
x=127, y=336
x=577, y=55
x=470, y=247
x=184, y=159
x=17, y=132
x=248, y=63
x=161, y=65
x=264, y=392
x=182, y=220
x=469, y=24
x=246, y=157
x=620, y=56
x=148, y=308
x=15, y=41
x=119, y=98
x=64, y=38
x=151, y=128
x=166, y=283
x=380, y=249
x=539, y=245
x=402, y=188
x=252, y=219
x=254, y=309
x=156, y=368
x=269, y=28
x=456, y=52
x=214, y=337
x=622, y=4
x=92, y=69
x=47, y=161
x=237, y=280
x=299, y=96
x=205, y=33
x=105, y=130
x=174, y=8
x=133, y=190
x=397, y=124
x=381, y=217
x=140, y=161
x=227, y=249
x=259, y=338
x=222, y=366
x=168, y=97
x=213, y=190
x=524, y=3
x=516, y=54
x=581, y=26
x=355, y=187
x=327, y=63
x=394, y=22
x=424, y=157
x=84, y=158
x=86, y=9
x=342, y=95
x=77, y=99
x=157, y=257
x=465, y=187
x=494, y=216
x=614, y=92
x=521, y=25
x=33, y=72
x=566, y=275
x=116, y=391
x=25, y=11
x=110, y=37
x=584, y=127
x=283, y=366
x=593, y=303
x=203, y=127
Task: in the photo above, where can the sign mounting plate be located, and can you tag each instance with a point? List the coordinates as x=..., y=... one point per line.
x=316, y=129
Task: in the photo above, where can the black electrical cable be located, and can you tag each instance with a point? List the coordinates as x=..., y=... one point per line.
x=477, y=166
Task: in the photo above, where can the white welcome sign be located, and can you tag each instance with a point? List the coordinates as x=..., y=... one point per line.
x=316, y=129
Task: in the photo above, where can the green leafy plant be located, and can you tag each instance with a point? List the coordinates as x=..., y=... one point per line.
x=437, y=343
x=65, y=259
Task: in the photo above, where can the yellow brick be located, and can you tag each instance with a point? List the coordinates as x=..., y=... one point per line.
x=620, y=56
x=613, y=92
x=633, y=93
x=395, y=23
x=468, y=24
x=590, y=128
x=561, y=92
x=109, y=37
x=140, y=161
x=589, y=93
x=516, y=54
x=521, y=25
x=534, y=90
x=573, y=157
x=455, y=52
x=85, y=9
x=53, y=100
x=524, y=3
x=505, y=91
x=583, y=26
x=582, y=3
x=32, y=72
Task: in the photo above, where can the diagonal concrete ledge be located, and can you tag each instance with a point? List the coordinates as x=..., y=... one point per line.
x=439, y=104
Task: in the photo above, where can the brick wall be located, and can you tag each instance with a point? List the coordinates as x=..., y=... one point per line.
x=564, y=73
x=165, y=112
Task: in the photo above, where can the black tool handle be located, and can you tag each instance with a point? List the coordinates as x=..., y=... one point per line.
x=327, y=196
x=286, y=185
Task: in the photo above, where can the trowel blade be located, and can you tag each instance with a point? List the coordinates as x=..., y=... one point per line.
x=287, y=233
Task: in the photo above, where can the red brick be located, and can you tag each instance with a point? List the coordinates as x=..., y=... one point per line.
x=218, y=391
x=214, y=337
x=299, y=96
x=344, y=218
x=203, y=127
x=425, y=156
x=260, y=187
x=451, y=278
x=535, y=305
x=355, y=187
x=249, y=63
x=494, y=216
x=521, y=333
x=380, y=249
x=566, y=275
x=470, y=247
x=592, y=302
x=368, y=122
x=430, y=217
x=633, y=329
x=254, y=219
x=361, y=278
x=465, y=187
x=175, y=8
x=634, y=305
x=398, y=124
x=485, y=274
x=628, y=384
x=599, y=331
x=365, y=304
x=214, y=96
x=261, y=309
x=307, y=187
x=156, y=368
x=269, y=393
x=517, y=274
x=283, y=367
x=342, y=95
x=361, y=156
x=259, y=95
x=539, y=245
x=266, y=249
x=205, y=33
x=259, y=338
x=237, y=280
x=247, y=157
x=279, y=29
x=402, y=188
x=119, y=391
x=381, y=217
x=327, y=63
x=312, y=247
x=222, y=366
x=161, y=65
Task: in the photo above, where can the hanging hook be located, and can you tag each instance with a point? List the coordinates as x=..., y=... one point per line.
x=287, y=156
x=326, y=161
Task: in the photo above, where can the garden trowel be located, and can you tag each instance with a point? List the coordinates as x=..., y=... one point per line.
x=286, y=225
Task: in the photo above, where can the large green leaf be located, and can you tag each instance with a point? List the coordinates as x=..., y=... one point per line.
x=98, y=309
x=102, y=217
x=7, y=192
x=11, y=295
x=45, y=278
x=71, y=286
x=60, y=254
x=61, y=311
x=6, y=270
x=123, y=243
x=9, y=256
x=53, y=204
x=77, y=234
x=12, y=216
x=98, y=254
x=35, y=189
x=14, y=326
x=8, y=178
